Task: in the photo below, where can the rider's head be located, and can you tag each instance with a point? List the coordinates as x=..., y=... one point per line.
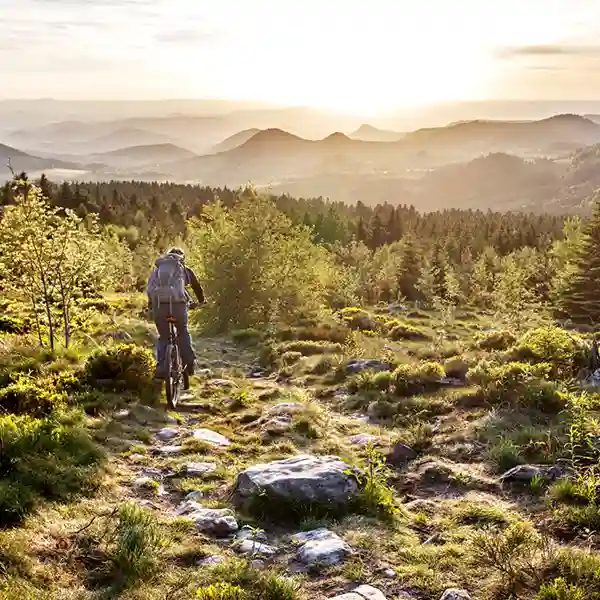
x=177, y=251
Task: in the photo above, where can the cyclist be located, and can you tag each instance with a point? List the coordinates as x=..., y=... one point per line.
x=167, y=297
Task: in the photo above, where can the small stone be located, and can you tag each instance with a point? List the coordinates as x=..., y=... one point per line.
x=401, y=454
x=526, y=473
x=279, y=424
x=222, y=383
x=186, y=397
x=257, y=564
x=122, y=414
x=137, y=457
x=455, y=594
x=205, y=372
x=195, y=495
x=152, y=472
x=211, y=437
x=358, y=365
x=390, y=573
x=197, y=469
x=247, y=533
x=255, y=548
x=170, y=450
x=321, y=546
x=369, y=592
x=285, y=408
x=171, y=420
x=364, y=439
x=220, y=522
x=144, y=482
x=167, y=433
x=211, y=561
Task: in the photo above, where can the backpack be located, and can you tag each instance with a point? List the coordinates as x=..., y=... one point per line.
x=166, y=284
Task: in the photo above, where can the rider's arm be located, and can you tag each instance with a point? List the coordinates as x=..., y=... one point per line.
x=192, y=280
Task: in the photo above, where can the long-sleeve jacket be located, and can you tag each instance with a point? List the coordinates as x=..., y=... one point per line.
x=192, y=281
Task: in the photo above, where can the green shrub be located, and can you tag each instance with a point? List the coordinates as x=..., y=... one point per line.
x=457, y=367
x=358, y=319
x=369, y=381
x=577, y=501
x=51, y=458
x=290, y=358
x=98, y=304
x=559, y=589
x=221, y=591
x=410, y=380
x=566, y=352
x=320, y=332
x=26, y=397
x=14, y=325
x=403, y=331
x=246, y=336
x=519, y=385
x=496, y=340
x=122, y=367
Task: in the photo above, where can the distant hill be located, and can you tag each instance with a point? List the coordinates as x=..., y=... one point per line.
x=368, y=133
x=21, y=161
x=235, y=140
x=155, y=154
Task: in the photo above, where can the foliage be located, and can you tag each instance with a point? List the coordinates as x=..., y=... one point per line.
x=26, y=396
x=257, y=266
x=14, y=325
x=496, y=340
x=404, y=331
x=310, y=348
x=120, y=367
x=416, y=379
x=221, y=591
x=50, y=458
x=357, y=318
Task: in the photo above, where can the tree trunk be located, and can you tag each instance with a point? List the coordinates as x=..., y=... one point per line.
x=38, y=325
x=48, y=312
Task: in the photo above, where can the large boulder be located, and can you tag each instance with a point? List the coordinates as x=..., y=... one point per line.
x=527, y=473
x=358, y=365
x=362, y=592
x=301, y=480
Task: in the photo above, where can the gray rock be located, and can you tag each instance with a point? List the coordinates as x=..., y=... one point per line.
x=222, y=383
x=195, y=495
x=211, y=437
x=390, y=573
x=358, y=365
x=526, y=473
x=218, y=521
x=205, y=372
x=145, y=483
x=455, y=594
x=284, y=408
x=400, y=455
x=122, y=414
x=255, y=548
x=167, y=433
x=257, y=564
x=211, y=561
x=278, y=424
x=369, y=592
x=171, y=420
x=321, y=546
x=364, y=439
x=170, y=450
x=247, y=533
x=302, y=479
x=197, y=469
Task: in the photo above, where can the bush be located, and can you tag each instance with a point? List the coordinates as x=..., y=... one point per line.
x=564, y=351
x=51, y=458
x=221, y=591
x=14, y=325
x=403, y=331
x=496, y=340
x=26, y=397
x=291, y=358
x=410, y=380
x=369, y=381
x=559, y=589
x=246, y=336
x=456, y=367
x=320, y=332
x=358, y=319
x=122, y=367
x=519, y=385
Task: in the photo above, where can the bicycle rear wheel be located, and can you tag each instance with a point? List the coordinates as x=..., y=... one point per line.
x=172, y=376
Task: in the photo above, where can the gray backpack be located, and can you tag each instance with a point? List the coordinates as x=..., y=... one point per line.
x=167, y=282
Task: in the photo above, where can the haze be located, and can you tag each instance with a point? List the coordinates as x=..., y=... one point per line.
x=357, y=57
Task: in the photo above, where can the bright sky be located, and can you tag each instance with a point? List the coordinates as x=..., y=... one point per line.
x=351, y=55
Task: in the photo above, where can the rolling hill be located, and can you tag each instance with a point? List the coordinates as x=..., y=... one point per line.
x=368, y=133
x=235, y=140
x=21, y=161
x=152, y=155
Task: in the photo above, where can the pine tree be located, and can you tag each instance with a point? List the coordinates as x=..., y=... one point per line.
x=580, y=299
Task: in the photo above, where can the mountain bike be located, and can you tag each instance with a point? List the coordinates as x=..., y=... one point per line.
x=176, y=377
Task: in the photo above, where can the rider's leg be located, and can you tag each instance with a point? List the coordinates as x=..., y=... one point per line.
x=160, y=313
x=184, y=340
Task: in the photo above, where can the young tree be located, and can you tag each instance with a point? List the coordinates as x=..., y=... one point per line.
x=49, y=253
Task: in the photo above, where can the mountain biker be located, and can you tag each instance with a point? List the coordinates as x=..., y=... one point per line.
x=167, y=297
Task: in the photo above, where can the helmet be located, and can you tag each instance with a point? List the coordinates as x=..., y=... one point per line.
x=177, y=251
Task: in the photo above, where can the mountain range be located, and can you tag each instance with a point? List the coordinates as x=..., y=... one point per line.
x=518, y=164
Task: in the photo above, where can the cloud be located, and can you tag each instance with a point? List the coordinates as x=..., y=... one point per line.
x=183, y=36
x=551, y=50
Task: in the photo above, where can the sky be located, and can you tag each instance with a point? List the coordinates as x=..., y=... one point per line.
x=352, y=56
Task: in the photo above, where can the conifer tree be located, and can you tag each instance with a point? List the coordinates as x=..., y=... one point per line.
x=580, y=299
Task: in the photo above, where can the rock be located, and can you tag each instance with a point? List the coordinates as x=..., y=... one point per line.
x=321, y=546
x=218, y=521
x=197, y=469
x=170, y=450
x=390, y=573
x=152, y=472
x=255, y=548
x=279, y=424
x=455, y=594
x=368, y=592
x=285, y=408
x=358, y=365
x=186, y=397
x=205, y=372
x=211, y=561
x=257, y=564
x=211, y=437
x=526, y=473
x=167, y=433
x=222, y=383
x=451, y=381
x=303, y=479
x=145, y=482
x=400, y=454
x=122, y=414
x=364, y=439
x=247, y=533
x=195, y=495
x=171, y=420
x=137, y=457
